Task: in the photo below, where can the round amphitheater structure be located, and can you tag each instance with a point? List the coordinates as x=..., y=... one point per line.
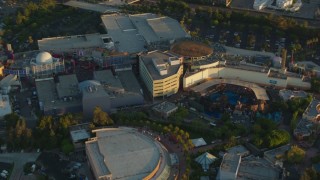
x=191, y=50
x=126, y=153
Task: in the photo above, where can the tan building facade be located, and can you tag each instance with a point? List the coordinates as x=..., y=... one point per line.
x=161, y=73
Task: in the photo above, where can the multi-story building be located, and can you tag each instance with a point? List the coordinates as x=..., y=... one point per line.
x=161, y=72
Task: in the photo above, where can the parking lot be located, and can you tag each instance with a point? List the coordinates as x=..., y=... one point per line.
x=61, y=168
x=306, y=11
x=25, y=103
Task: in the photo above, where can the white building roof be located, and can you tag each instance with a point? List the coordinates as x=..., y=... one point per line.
x=78, y=135
x=67, y=43
x=257, y=168
x=102, y=8
x=198, y=142
x=132, y=33
x=124, y=153
x=8, y=80
x=229, y=166
x=5, y=106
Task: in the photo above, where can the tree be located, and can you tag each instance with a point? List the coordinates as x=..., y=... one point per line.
x=295, y=154
x=66, y=146
x=67, y=120
x=315, y=84
x=20, y=18
x=231, y=142
x=11, y=120
x=101, y=118
x=310, y=174
x=277, y=137
x=20, y=137
x=294, y=121
x=46, y=122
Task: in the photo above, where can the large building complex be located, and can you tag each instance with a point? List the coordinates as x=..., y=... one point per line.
x=161, y=73
x=244, y=72
x=126, y=154
x=133, y=33
x=36, y=64
x=234, y=167
x=106, y=90
x=110, y=92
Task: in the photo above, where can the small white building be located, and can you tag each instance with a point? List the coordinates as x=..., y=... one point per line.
x=7, y=82
x=165, y=109
x=5, y=107
x=286, y=94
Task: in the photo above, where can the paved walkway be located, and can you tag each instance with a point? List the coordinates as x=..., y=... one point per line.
x=175, y=148
x=19, y=160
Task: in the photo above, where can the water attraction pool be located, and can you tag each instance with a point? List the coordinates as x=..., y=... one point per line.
x=232, y=97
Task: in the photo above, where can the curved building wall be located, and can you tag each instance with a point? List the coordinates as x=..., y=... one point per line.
x=167, y=86
x=244, y=75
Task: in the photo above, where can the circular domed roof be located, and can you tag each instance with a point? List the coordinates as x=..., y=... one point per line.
x=191, y=49
x=44, y=58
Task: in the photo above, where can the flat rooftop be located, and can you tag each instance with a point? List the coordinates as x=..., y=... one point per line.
x=78, y=135
x=288, y=94
x=5, y=106
x=272, y=154
x=102, y=8
x=65, y=43
x=259, y=92
x=106, y=77
x=257, y=168
x=67, y=86
x=311, y=110
x=48, y=96
x=124, y=35
x=164, y=107
x=244, y=52
x=94, y=92
x=129, y=81
x=131, y=33
x=122, y=152
x=159, y=56
x=238, y=150
x=155, y=28
x=230, y=164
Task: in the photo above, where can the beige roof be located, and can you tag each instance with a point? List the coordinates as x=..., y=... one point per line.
x=123, y=152
x=65, y=43
x=92, y=7
x=260, y=92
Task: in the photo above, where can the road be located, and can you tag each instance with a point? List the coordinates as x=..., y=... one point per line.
x=19, y=159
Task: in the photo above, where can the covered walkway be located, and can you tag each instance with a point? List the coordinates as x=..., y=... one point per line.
x=259, y=92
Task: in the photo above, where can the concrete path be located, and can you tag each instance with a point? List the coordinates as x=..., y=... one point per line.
x=19, y=160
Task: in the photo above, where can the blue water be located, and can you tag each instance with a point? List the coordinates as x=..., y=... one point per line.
x=214, y=114
x=275, y=116
x=233, y=98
